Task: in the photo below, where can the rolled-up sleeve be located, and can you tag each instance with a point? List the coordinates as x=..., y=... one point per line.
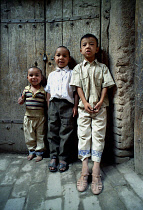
x=107, y=78
x=47, y=88
x=75, y=79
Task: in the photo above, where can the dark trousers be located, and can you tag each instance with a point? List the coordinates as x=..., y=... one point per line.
x=60, y=128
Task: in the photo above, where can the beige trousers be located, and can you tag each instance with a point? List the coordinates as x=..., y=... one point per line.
x=91, y=134
x=34, y=131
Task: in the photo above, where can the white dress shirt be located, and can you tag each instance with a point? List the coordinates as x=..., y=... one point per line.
x=58, y=84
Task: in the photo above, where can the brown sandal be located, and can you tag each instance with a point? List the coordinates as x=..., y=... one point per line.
x=82, y=183
x=96, y=185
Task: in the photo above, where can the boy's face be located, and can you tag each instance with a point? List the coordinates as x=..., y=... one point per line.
x=34, y=76
x=89, y=48
x=62, y=57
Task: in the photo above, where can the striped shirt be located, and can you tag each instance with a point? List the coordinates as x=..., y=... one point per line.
x=35, y=102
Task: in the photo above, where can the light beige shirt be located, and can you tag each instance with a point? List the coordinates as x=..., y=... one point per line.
x=92, y=78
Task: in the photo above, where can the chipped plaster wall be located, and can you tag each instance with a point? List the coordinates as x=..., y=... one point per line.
x=122, y=65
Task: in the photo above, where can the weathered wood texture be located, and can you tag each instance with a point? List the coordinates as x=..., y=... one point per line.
x=34, y=28
x=138, y=129
x=30, y=29
x=22, y=45
x=67, y=22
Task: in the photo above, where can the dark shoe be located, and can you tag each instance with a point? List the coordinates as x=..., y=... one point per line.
x=53, y=164
x=63, y=166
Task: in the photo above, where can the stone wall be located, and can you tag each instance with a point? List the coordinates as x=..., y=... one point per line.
x=122, y=58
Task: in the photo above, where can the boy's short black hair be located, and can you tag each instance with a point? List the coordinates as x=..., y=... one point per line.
x=35, y=67
x=62, y=46
x=87, y=36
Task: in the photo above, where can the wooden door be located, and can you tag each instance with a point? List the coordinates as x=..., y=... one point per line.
x=30, y=31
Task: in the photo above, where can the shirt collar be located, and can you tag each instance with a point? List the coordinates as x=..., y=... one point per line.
x=66, y=69
x=40, y=89
x=85, y=62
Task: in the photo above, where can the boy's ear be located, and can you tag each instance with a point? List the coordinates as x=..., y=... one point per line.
x=97, y=49
x=80, y=50
x=70, y=59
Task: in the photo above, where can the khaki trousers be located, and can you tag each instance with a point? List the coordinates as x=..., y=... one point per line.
x=34, y=131
x=91, y=134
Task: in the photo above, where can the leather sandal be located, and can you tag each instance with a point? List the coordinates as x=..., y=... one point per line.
x=53, y=164
x=63, y=166
x=96, y=185
x=82, y=183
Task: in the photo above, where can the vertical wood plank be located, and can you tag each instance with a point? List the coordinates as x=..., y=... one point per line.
x=67, y=8
x=54, y=30
x=54, y=10
x=53, y=40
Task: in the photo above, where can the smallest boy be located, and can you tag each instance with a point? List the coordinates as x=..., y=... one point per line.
x=92, y=80
x=34, y=120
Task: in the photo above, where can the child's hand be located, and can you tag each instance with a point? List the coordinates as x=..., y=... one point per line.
x=88, y=107
x=21, y=100
x=74, y=111
x=97, y=107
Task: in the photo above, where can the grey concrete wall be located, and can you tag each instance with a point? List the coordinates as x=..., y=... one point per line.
x=138, y=133
x=122, y=64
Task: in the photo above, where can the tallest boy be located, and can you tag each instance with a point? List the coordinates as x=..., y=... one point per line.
x=92, y=80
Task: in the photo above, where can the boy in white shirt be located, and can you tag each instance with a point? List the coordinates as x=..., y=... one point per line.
x=62, y=101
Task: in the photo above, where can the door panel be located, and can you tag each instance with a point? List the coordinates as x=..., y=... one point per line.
x=22, y=45
x=53, y=40
x=30, y=29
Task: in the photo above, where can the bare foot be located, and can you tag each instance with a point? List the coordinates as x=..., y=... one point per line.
x=31, y=156
x=38, y=158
